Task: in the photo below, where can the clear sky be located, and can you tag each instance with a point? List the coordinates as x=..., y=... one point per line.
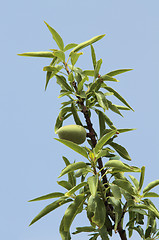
x=30, y=157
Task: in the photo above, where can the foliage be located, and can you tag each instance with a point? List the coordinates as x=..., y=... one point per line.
x=97, y=185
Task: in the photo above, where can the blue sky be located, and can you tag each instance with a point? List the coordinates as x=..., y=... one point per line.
x=30, y=157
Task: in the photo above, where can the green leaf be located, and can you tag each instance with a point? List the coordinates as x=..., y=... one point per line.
x=71, y=177
x=65, y=235
x=103, y=153
x=73, y=210
x=74, y=57
x=101, y=123
x=75, y=188
x=75, y=115
x=87, y=43
x=62, y=82
x=59, y=54
x=135, y=181
x=50, y=208
x=48, y=196
x=118, y=211
x=106, y=77
x=117, y=95
x=122, y=107
x=93, y=184
x=66, y=93
x=150, y=186
x=126, y=185
x=139, y=230
x=116, y=191
x=71, y=77
x=64, y=111
x=48, y=77
x=116, y=72
x=121, y=150
x=70, y=46
x=96, y=211
x=51, y=71
x=151, y=194
x=80, y=85
x=141, y=178
x=102, y=100
x=97, y=68
x=73, y=167
x=93, y=56
x=85, y=229
x=125, y=130
x=37, y=54
x=104, y=233
x=107, y=120
x=88, y=73
x=65, y=184
x=74, y=147
x=121, y=166
x=56, y=37
x=114, y=108
x=103, y=140
x=137, y=210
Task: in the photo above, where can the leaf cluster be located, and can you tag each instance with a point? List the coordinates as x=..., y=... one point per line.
x=97, y=185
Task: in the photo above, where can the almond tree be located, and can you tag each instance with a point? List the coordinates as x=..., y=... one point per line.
x=103, y=192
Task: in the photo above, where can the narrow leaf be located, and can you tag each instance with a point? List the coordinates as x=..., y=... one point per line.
x=135, y=181
x=74, y=147
x=116, y=191
x=70, y=46
x=121, y=150
x=73, y=167
x=150, y=194
x=88, y=73
x=60, y=54
x=71, y=177
x=116, y=72
x=126, y=185
x=72, y=211
x=74, y=57
x=141, y=178
x=65, y=235
x=75, y=115
x=97, y=68
x=101, y=123
x=56, y=37
x=50, y=208
x=37, y=54
x=81, y=83
x=118, y=96
x=150, y=186
x=106, y=77
x=65, y=184
x=87, y=43
x=102, y=100
x=62, y=82
x=93, y=56
x=85, y=229
x=121, y=166
x=96, y=211
x=48, y=196
x=103, y=140
x=114, y=108
x=125, y=130
x=93, y=184
x=75, y=188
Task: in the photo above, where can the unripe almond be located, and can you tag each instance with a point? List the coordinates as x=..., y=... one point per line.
x=73, y=133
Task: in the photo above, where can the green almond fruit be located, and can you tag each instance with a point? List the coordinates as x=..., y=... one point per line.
x=73, y=133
